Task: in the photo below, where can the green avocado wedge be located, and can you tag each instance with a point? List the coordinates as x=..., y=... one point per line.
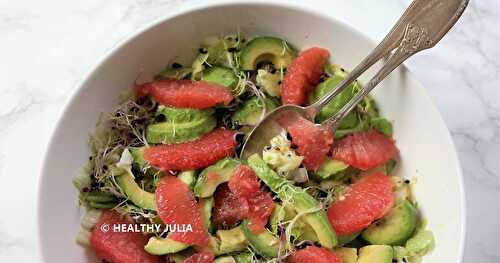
x=181, y=125
x=337, y=103
x=347, y=254
x=250, y=112
x=221, y=76
x=206, y=205
x=224, y=259
x=304, y=204
x=266, y=49
x=265, y=244
x=375, y=254
x=232, y=240
x=162, y=246
x=134, y=192
x=214, y=175
x=394, y=228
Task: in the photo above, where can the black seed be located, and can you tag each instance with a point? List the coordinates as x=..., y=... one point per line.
x=105, y=167
x=232, y=49
x=203, y=50
x=407, y=181
x=288, y=136
x=301, y=166
x=236, y=125
x=85, y=189
x=229, y=38
x=272, y=70
x=294, y=146
x=141, y=101
x=160, y=118
x=90, y=158
x=243, y=40
x=349, y=180
x=267, y=148
x=329, y=154
x=279, y=82
x=236, y=39
x=239, y=137
x=176, y=65
x=342, y=69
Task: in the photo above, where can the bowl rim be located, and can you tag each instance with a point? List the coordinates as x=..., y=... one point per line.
x=189, y=7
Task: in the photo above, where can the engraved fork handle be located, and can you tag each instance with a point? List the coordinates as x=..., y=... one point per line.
x=422, y=25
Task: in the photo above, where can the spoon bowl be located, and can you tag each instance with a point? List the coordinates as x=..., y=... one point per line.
x=269, y=127
x=422, y=25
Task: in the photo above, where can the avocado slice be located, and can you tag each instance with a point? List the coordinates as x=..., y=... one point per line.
x=212, y=246
x=245, y=257
x=285, y=213
x=270, y=82
x=265, y=244
x=266, y=49
x=346, y=239
x=250, y=112
x=223, y=169
x=337, y=103
x=394, y=228
x=303, y=203
x=188, y=177
x=134, y=192
x=420, y=244
x=375, y=253
x=277, y=216
x=329, y=170
x=207, y=205
x=232, y=240
x=221, y=76
x=162, y=246
x=173, y=73
x=225, y=259
x=181, y=125
x=347, y=254
x=138, y=155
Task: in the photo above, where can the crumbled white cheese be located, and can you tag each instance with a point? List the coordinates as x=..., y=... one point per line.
x=280, y=156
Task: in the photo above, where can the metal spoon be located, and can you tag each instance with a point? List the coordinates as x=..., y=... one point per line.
x=422, y=25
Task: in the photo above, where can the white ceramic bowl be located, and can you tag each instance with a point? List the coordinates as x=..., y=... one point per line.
x=424, y=141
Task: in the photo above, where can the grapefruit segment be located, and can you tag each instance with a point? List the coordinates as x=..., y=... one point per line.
x=177, y=205
x=313, y=141
x=192, y=155
x=364, y=150
x=244, y=182
x=126, y=247
x=314, y=254
x=365, y=201
x=200, y=257
x=185, y=93
x=302, y=75
x=229, y=209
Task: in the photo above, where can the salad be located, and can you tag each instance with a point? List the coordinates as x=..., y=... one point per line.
x=163, y=182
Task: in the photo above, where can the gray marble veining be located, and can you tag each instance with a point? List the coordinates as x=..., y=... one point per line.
x=47, y=46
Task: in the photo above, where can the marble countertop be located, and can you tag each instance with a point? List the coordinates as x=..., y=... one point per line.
x=46, y=47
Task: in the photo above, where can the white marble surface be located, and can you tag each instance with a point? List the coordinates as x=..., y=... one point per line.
x=47, y=46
